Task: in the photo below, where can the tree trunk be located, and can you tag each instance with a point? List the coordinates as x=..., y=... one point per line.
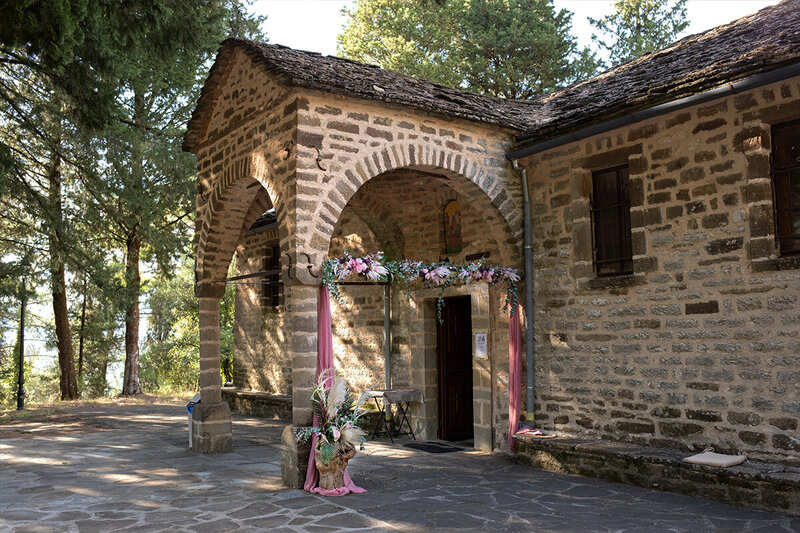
x=66, y=360
x=104, y=366
x=80, y=333
x=130, y=383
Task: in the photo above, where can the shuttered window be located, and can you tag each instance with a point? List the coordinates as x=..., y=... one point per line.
x=786, y=185
x=611, y=216
x=272, y=287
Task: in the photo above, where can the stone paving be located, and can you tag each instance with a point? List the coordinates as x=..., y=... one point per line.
x=138, y=475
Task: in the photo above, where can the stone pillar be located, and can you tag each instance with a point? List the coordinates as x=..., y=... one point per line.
x=211, y=420
x=482, y=369
x=301, y=308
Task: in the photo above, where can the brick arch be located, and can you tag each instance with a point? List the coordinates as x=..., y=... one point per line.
x=497, y=200
x=240, y=196
x=224, y=186
x=260, y=205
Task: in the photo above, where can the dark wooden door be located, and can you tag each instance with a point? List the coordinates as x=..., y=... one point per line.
x=454, y=353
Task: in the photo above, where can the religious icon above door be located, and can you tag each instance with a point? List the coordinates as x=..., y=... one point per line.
x=452, y=227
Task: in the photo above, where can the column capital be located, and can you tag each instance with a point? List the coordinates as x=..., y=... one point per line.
x=209, y=289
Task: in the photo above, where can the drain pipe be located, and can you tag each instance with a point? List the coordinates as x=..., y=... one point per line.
x=527, y=253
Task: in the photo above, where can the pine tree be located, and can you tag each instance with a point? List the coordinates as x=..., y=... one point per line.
x=509, y=48
x=144, y=190
x=93, y=101
x=638, y=27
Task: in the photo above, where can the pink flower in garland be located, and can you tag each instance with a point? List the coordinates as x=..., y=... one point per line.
x=357, y=265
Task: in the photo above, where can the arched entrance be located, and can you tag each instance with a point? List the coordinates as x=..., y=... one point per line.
x=401, y=212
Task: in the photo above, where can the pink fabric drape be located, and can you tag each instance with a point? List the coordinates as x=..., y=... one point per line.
x=324, y=362
x=514, y=375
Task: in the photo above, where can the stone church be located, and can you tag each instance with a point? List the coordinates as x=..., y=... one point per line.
x=664, y=200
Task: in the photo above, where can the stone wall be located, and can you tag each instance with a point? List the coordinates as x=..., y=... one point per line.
x=700, y=345
x=343, y=143
x=261, y=361
x=248, y=141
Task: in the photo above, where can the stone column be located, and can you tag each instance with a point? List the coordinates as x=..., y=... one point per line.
x=301, y=308
x=211, y=420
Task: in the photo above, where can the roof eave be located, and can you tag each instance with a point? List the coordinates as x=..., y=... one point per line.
x=530, y=145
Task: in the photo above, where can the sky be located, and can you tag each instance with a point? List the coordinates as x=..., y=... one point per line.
x=314, y=24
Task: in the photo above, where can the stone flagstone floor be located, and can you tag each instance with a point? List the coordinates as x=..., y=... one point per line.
x=138, y=475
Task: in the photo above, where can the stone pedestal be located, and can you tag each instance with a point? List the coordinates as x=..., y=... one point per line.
x=211, y=428
x=294, y=459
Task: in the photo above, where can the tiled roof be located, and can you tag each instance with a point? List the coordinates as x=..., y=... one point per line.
x=763, y=41
x=311, y=70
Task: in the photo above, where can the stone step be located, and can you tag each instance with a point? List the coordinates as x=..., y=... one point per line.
x=756, y=484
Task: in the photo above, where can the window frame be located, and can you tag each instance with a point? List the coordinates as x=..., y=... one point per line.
x=272, y=288
x=777, y=210
x=624, y=238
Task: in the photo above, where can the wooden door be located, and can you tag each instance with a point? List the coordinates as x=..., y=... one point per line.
x=454, y=354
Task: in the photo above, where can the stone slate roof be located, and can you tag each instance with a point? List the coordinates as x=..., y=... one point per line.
x=763, y=41
x=311, y=70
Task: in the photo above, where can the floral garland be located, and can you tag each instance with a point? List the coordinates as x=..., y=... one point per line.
x=374, y=267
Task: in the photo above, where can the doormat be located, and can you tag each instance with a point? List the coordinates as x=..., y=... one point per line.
x=433, y=447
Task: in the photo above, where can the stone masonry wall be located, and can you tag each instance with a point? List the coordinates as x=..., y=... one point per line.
x=700, y=345
x=343, y=143
x=260, y=361
x=249, y=140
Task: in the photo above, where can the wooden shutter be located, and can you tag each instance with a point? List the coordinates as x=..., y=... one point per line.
x=611, y=215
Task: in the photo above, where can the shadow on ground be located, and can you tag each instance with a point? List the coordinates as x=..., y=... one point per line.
x=136, y=474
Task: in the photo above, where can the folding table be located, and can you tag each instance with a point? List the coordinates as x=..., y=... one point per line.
x=399, y=397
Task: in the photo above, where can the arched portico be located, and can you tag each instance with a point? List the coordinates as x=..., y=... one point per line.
x=407, y=206
x=496, y=198
x=230, y=207
x=314, y=157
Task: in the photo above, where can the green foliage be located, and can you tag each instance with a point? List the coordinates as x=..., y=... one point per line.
x=8, y=370
x=41, y=386
x=638, y=27
x=227, y=307
x=506, y=48
x=170, y=359
x=96, y=331
x=101, y=91
x=327, y=451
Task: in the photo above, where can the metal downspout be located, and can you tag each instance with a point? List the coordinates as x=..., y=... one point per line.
x=527, y=253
